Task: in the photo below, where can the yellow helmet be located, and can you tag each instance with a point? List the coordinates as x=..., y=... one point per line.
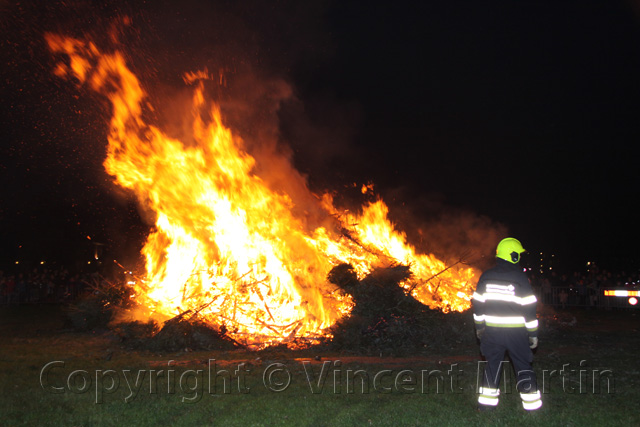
x=509, y=249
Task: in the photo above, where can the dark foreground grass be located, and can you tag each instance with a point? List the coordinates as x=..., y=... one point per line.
x=50, y=377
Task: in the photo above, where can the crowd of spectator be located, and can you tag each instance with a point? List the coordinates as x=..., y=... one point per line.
x=584, y=289
x=41, y=285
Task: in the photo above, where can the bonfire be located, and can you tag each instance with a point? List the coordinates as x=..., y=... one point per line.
x=244, y=254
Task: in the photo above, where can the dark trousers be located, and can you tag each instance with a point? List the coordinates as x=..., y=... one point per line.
x=514, y=341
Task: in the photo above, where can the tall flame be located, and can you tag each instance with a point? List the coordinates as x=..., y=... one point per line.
x=225, y=243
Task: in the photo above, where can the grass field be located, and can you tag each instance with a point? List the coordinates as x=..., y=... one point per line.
x=587, y=370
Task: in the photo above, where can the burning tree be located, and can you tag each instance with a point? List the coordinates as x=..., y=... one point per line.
x=226, y=240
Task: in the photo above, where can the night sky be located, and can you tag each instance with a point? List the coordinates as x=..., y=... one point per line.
x=523, y=114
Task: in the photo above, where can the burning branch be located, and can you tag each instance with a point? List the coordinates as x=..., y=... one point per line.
x=461, y=260
x=255, y=287
x=349, y=235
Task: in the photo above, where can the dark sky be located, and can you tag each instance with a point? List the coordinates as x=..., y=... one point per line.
x=524, y=112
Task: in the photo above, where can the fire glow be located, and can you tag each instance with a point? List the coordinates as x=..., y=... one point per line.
x=224, y=242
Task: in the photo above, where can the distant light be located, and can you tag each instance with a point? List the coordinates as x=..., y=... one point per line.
x=41, y=262
x=550, y=268
x=17, y=262
x=89, y=262
x=633, y=300
x=589, y=263
x=621, y=293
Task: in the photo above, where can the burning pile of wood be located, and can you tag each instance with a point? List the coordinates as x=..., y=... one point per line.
x=185, y=332
x=98, y=310
x=254, y=251
x=385, y=319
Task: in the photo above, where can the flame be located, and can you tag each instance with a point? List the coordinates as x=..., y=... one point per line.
x=224, y=243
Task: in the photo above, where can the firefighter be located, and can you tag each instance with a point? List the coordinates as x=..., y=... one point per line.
x=504, y=311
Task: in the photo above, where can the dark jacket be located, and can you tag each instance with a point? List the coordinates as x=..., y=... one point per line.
x=504, y=299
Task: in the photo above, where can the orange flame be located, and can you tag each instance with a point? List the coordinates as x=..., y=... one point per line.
x=224, y=242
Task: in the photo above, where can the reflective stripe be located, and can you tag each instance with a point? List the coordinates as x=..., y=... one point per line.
x=478, y=318
x=531, y=299
x=530, y=397
x=478, y=297
x=501, y=297
x=490, y=401
x=531, y=401
x=532, y=406
x=532, y=325
x=508, y=287
x=499, y=291
x=488, y=396
x=504, y=322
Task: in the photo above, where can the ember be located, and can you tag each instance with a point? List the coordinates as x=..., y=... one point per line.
x=223, y=239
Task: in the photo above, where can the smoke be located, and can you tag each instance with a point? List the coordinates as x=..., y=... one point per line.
x=449, y=232
x=251, y=53
x=263, y=61
x=254, y=55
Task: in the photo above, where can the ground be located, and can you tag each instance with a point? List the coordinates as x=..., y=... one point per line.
x=586, y=364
